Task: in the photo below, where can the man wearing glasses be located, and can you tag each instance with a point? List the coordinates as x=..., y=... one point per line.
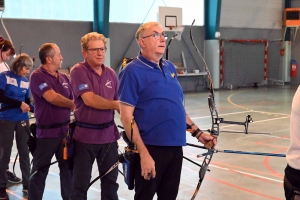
x=95, y=89
x=150, y=92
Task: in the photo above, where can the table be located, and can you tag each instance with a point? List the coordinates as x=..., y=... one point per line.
x=195, y=74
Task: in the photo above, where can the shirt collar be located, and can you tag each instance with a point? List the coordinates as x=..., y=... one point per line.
x=46, y=72
x=148, y=62
x=87, y=65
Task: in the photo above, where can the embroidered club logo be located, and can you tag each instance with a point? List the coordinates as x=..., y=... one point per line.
x=65, y=85
x=83, y=87
x=108, y=84
x=43, y=85
x=173, y=75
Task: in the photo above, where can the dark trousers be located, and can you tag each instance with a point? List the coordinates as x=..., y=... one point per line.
x=84, y=157
x=291, y=183
x=7, y=129
x=168, y=164
x=45, y=149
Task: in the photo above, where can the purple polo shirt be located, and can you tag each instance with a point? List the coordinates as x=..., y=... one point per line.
x=85, y=79
x=45, y=112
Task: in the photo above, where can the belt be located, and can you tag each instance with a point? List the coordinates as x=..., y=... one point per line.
x=95, y=126
x=51, y=126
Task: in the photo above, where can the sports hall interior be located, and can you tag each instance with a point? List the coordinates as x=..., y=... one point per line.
x=249, y=48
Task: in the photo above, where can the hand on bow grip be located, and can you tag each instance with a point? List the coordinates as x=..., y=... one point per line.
x=211, y=140
x=207, y=139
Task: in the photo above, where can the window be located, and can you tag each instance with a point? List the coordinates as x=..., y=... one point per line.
x=75, y=10
x=137, y=11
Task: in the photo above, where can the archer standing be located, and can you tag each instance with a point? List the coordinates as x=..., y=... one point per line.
x=53, y=102
x=15, y=98
x=150, y=92
x=95, y=89
x=7, y=50
x=292, y=170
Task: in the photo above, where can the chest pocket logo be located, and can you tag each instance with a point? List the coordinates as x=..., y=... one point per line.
x=108, y=84
x=65, y=85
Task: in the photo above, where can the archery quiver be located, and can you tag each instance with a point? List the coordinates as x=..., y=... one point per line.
x=68, y=146
x=31, y=143
x=129, y=161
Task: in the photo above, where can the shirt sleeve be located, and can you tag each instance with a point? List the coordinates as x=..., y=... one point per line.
x=116, y=84
x=8, y=100
x=128, y=88
x=79, y=81
x=39, y=84
x=2, y=81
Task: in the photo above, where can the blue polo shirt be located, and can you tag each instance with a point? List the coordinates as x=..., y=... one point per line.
x=15, y=87
x=45, y=112
x=157, y=97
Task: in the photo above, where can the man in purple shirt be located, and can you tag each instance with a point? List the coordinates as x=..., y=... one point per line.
x=95, y=88
x=52, y=95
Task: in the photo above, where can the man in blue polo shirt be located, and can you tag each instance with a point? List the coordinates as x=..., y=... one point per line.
x=150, y=92
x=52, y=96
x=95, y=89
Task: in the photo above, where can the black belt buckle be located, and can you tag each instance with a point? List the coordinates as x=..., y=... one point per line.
x=105, y=125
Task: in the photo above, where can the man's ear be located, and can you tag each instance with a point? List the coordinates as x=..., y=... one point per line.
x=84, y=53
x=142, y=43
x=48, y=59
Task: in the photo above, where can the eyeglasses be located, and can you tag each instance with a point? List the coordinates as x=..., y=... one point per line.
x=157, y=35
x=96, y=50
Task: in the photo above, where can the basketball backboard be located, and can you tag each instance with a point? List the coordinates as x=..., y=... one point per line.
x=170, y=18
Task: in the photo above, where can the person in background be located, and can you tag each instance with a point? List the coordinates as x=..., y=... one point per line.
x=53, y=102
x=95, y=89
x=292, y=170
x=150, y=93
x=7, y=50
x=15, y=98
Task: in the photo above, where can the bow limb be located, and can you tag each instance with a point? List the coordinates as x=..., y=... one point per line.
x=112, y=167
x=214, y=131
x=37, y=170
x=100, y=176
x=202, y=172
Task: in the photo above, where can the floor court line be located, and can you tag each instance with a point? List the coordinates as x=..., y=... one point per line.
x=15, y=195
x=235, y=186
x=242, y=172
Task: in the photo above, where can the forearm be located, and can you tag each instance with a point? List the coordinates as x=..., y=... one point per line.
x=126, y=114
x=61, y=101
x=101, y=103
x=193, y=128
x=8, y=100
x=136, y=136
x=190, y=122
